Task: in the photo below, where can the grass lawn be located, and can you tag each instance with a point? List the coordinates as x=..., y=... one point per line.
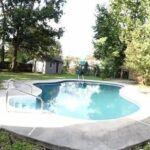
x=9, y=141
x=38, y=76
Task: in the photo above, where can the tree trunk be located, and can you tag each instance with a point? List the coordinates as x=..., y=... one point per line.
x=2, y=53
x=34, y=65
x=14, y=60
x=4, y=29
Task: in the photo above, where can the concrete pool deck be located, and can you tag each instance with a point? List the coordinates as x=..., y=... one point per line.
x=68, y=133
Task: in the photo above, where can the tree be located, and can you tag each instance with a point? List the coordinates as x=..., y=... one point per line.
x=129, y=14
x=29, y=25
x=138, y=53
x=3, y=29
x=50, y=52
x=134, y=19
x=108, y=46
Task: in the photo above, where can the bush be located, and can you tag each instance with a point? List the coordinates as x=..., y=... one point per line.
x=4, y=65
x=24, y=67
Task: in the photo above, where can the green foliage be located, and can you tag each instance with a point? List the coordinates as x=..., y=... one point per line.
x=66, y=65
x=96, y=70
x=10, y=142
x=108, y=46
x=147, y=147
x=141, y=146
x=129, y=14
x=3, y=29
x=21, y=145
x=140, y=45
x=28, y=26
x=82, y=68
x=134, y=20
x=86, y=68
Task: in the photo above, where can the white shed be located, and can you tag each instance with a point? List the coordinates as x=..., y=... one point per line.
x=45, y=66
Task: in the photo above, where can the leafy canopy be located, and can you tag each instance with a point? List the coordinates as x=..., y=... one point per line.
x=30, y=25
x=108, y=46
x=134, y=19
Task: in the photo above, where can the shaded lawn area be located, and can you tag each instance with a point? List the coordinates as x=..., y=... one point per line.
x=38, y=76
x=9, y=141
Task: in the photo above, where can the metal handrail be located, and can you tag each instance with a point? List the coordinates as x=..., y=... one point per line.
x=7, y=95
x=13, y=80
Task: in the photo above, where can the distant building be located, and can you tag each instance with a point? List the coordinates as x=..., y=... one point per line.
x=48, y=66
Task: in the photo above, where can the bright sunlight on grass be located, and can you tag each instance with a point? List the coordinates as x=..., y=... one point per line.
x=38, y=76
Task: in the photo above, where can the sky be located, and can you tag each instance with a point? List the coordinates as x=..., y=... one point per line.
x=78, y=19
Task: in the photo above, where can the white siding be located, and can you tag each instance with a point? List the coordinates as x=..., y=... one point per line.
x=39, y=66
x=45, y=67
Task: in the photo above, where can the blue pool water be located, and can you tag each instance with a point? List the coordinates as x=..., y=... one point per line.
x=88, y=100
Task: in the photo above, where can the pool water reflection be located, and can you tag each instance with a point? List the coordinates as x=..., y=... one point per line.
x=85, y=100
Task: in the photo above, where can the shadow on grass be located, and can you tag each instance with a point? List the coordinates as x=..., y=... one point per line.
x=33, y=76
x=38, y=76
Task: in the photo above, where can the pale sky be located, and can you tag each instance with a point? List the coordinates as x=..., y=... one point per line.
x=78, y=19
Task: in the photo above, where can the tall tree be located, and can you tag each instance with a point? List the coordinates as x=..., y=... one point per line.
x=3, y=29
x=138, y=53
x=108, y=46
x=130, y=14
x=29, y=24
x=134, y=19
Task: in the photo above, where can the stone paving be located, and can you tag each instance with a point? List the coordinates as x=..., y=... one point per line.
x=106, y=135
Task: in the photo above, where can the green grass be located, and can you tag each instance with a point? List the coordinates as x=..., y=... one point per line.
x=9, y=141
x=38, y=76
x=142, y=146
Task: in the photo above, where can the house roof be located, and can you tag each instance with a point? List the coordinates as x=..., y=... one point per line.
x=56, y=59
x=59, y=59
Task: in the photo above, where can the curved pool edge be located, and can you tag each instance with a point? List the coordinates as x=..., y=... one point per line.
x=132, y=94
x=127, y=91
x=40, y=119
x=106, y=135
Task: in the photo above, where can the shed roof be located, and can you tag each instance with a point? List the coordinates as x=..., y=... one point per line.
x=55, y=59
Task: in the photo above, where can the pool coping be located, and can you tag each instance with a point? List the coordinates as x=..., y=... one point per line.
x=86, y=129
x=127, y=91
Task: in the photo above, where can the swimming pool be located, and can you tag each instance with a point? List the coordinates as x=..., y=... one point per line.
x=84, y=100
